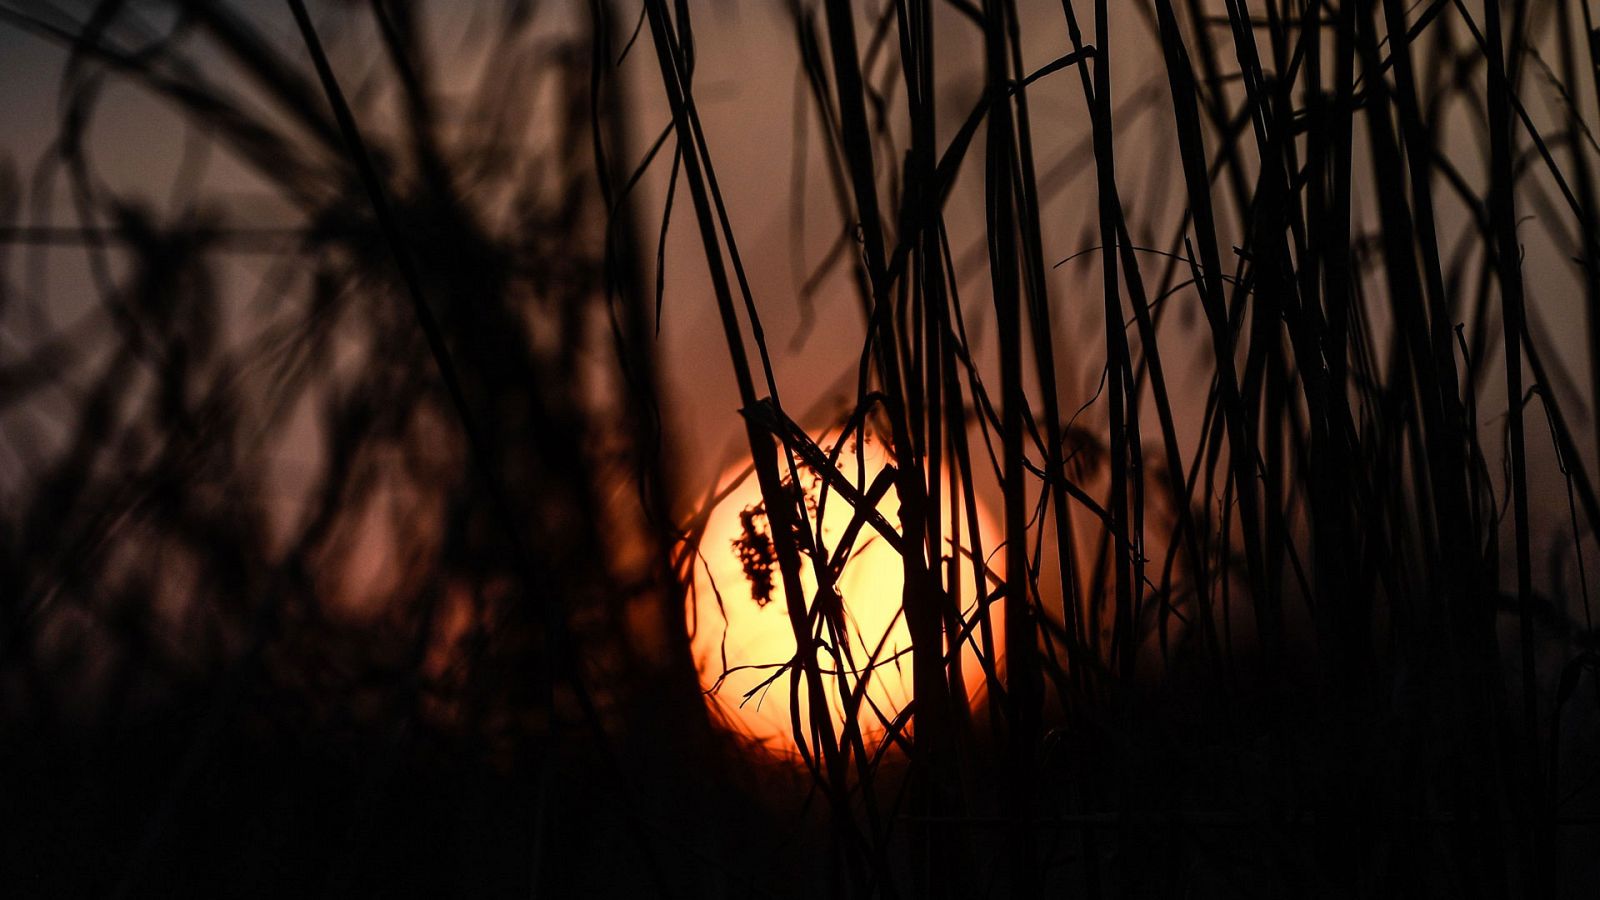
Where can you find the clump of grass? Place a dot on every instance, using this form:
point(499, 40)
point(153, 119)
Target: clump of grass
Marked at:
point(1272, 606)
point(1334, 545)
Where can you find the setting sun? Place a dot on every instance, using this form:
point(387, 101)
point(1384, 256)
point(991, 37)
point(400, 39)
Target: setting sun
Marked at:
point(742, 639)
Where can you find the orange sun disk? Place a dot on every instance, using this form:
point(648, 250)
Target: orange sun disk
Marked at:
point(741, 637)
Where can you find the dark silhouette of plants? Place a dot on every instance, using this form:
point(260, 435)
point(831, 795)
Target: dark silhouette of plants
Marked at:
point(342, 551)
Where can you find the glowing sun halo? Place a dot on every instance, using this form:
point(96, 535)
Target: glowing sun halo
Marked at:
point(741, 634)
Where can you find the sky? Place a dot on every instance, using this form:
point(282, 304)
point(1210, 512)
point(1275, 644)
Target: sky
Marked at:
point(770, 163)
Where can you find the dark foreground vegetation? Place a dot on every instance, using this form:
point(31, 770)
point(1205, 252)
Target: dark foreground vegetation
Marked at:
point(349, 558)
